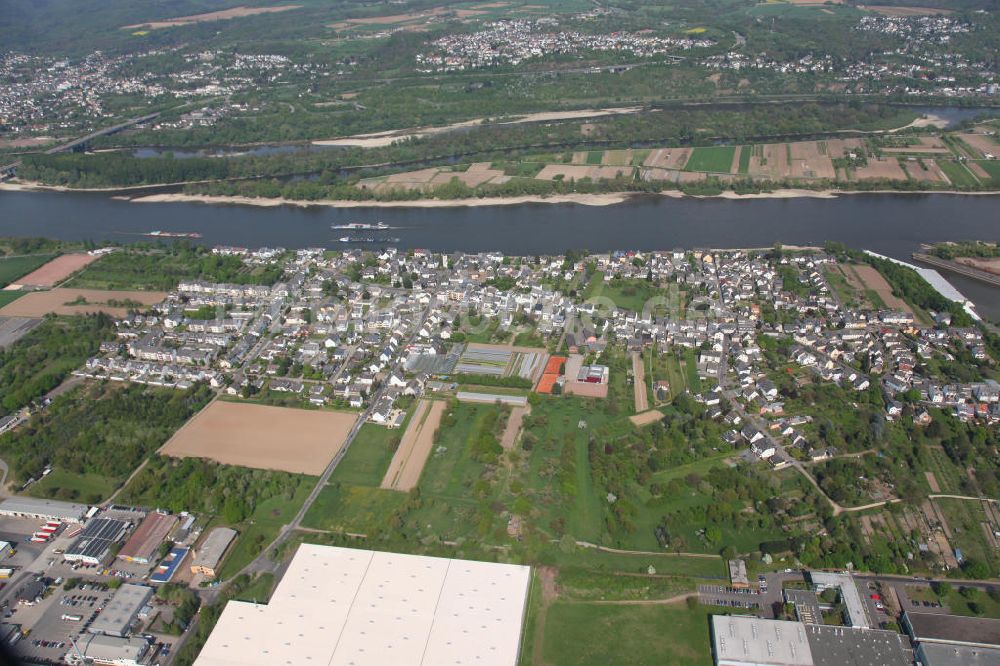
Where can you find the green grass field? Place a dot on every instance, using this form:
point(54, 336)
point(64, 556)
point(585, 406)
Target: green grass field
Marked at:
point(14, 267)
point(691, 368)
point(745, 153)
point(991, 167)
point(629, 295)
point(354, 509)
point(583, 634)
point(87, 485)
point(716, 159)
point(261, 529)
point(9, 297)
point(368, 457)
point(957, 173)
point(594, 157)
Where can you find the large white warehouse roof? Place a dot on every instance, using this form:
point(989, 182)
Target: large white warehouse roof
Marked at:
point(342, 606)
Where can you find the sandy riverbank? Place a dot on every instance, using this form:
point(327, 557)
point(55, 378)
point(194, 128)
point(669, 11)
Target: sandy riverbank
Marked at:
point(387, 138)
point(583, 199)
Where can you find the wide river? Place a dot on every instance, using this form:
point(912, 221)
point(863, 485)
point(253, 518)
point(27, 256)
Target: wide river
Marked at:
point(891, 224)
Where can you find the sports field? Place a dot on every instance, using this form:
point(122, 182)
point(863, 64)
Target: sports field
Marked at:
point(409, 459)
point(301, 441)
point(79, 301)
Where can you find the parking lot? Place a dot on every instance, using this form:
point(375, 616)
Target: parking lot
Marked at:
point(719, 595)
point(53, 620)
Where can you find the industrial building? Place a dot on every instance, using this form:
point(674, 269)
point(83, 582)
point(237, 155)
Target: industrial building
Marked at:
point(110, 650)
point(43, 509)
point(93, 546)
point(738, 578)
point(743, 640)
point(146, 540)
point(850, 595)
point(209, 554)
point(951, 640)
point(120, 614)
point(167, 567)
point(343, 606)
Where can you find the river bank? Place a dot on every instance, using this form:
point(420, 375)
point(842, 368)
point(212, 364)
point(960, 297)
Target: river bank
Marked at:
point(606, 199)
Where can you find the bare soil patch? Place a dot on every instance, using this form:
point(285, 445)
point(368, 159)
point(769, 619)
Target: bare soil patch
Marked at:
point(645, 418)
point(639, 375)
point(929, 172)
point(57, 270)
point(880, 169)
point(982, 143)
point(56, 301)
point(513, 427)
point(617, 158)
point(873, 280)
point(301, 441)
point(224, 15)
point(932, 482)
point(808, 161)
point(418, 440)
point(734, 167)
point(668, 158)
point(841, 147)
point(988, 265)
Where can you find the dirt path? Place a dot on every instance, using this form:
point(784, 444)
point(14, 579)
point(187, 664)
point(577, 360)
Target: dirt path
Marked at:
point(639, 375)
point(643, 602)
point(418, 440)
point(587, 544)
point(550, 592)
point(513, 428)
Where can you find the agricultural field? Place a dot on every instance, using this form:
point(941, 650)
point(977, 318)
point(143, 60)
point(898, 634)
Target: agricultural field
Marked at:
point(717, 159)
point(12, 268)
point(411, 456)
point(58, 269)
point(72, 301)
point(248, 435)
point(484, 361)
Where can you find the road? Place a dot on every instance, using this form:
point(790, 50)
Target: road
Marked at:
point(262, 563)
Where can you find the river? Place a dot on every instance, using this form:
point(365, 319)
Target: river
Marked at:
point(891, 224)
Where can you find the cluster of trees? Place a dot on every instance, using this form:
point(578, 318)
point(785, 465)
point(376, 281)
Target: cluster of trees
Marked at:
point(208, 488)
point(99, 429)
point(966, 249)
point(671, 126)
point(42, 359)
point(907, 284)
point(161, 267)
point(185, 603)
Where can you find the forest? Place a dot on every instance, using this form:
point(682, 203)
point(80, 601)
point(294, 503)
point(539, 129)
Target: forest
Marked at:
point(208, 488)
point(104, 430)
point(42, 359)
point(162, 266)
point(672, 126)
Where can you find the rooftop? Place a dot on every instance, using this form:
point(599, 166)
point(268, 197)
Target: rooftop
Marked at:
point(343, 606)
point(936, 654)
point(148, 536)
point(850, 646)
point(740, 639)
point(43, 507)
point(937, 628)
point(96, 539)
point(117, 616)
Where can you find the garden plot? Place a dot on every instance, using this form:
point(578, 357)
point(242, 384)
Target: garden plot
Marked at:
point(501, 361)
point(927, 170)
point(982, 143)
point(880, 169)
point(668, 158)
point(809, 162)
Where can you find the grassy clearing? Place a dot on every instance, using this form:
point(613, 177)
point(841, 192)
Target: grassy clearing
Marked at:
point(594, 157)
point(84, 485)
point(957, 173)
point(991, 167)
point(368, 457)
point(632, 295)
point(716, 159)
point(261, 529)
point(9, 297)
point(691, 368)
point(585, 634)
point(965, 520)
point(353, 509)
point(14, 267)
